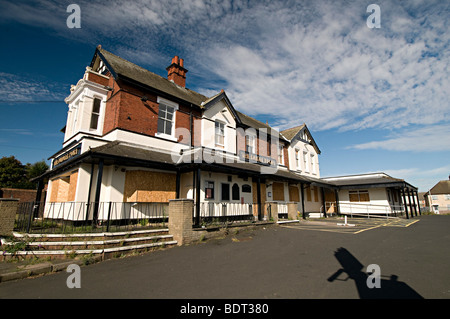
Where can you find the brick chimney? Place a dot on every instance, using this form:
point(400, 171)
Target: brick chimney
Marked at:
point(176, 72)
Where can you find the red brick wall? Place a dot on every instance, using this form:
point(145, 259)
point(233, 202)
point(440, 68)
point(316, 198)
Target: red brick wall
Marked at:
point(126, 110)
point(24, 195)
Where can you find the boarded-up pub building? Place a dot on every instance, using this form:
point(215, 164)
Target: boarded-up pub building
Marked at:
point(133, 137)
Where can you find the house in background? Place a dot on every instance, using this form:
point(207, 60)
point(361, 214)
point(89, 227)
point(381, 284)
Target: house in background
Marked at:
point(438, 197)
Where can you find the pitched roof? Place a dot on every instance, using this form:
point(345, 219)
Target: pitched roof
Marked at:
point(291, 133)
point(121, 68)
point(443, 187)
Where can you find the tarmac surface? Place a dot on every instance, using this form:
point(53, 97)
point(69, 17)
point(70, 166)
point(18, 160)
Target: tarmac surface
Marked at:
point(314, 259)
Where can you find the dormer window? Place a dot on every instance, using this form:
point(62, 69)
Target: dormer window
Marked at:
point(95, 115)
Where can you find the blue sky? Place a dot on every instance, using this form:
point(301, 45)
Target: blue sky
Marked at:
point(374, 99)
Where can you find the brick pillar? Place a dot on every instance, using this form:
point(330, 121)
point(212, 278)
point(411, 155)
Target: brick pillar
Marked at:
point(292, 210)
point(8, 210)
point(180, 219)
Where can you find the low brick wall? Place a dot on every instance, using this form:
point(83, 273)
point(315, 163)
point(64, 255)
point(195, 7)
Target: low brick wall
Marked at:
point(8, 210)
point(180, 224)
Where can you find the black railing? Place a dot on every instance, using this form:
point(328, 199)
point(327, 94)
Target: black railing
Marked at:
point(76, 217)
point(217, 214)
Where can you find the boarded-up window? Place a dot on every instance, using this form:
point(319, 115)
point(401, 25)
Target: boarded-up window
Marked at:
point(359, 196)
point(64, 188)
point(147, 186)
point(278, 191)
point(316, 194)
point(308, 193)
point(293, 194)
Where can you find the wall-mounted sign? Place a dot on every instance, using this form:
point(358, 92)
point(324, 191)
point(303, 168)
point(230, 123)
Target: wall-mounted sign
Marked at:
point(255, 158)
point(67, 155)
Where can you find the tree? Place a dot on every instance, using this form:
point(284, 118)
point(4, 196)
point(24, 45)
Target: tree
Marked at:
point(14, 174)
point(35, 170)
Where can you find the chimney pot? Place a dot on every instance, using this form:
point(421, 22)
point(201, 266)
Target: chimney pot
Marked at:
point(176, 71)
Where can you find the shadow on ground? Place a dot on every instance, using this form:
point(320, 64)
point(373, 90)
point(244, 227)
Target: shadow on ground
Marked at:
point(388, 289)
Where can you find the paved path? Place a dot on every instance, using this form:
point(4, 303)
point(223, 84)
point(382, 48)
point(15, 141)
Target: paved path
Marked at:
point(273, 262)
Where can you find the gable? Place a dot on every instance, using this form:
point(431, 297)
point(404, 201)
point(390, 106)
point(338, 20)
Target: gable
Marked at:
point(300, 133)
point(220, 111)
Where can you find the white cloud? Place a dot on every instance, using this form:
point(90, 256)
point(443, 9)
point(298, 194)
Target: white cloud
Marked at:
point(14, 88)
point(422, 178)
point(310, 61)
point(425, 139)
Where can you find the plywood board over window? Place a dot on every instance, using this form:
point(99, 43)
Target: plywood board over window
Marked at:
point(359, 196)
point(64, 188)
point(293, 194)
point(147, 186)
point(278, 191)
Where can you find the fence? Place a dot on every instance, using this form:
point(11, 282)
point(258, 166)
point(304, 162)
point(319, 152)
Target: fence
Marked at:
point(369, 210)
point(217, 213)
point(222, 212)
point(72, 217)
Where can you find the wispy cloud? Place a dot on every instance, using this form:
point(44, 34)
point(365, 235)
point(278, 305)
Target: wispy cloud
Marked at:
point(311, 61)
point(14, 88)
point(425, 139)
point(422, 178)
point(19, 131)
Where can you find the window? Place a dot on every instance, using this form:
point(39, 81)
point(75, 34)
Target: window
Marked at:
point(165, 119)
point(246, 188)
point(209, 190)
point(74, 118)
point(434, 197)
point(235, 192)
point(297, 159)
point(220, 134)
point(250, 143)
point(305, 161)
point(313, 167)
point(95, 115)
point(225, 191)
point(447, 196)
point(359, 196)
point(281, 154)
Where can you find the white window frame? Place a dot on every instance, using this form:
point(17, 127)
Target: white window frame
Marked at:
point(216, 135)
point(98, 114)
point(305, 161)
point(297, 159)
point(173, 105)
point(252, 143)
point(281, 154)
point(312, 163)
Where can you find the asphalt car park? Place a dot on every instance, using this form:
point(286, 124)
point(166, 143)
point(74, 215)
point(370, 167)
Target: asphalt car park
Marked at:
point(305, 260)
point(351, 225)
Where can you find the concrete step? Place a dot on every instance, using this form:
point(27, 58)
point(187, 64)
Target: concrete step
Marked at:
point(70, 245)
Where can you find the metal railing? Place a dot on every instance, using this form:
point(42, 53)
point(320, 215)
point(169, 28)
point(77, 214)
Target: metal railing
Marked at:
point(371, 210)
point(75, 217)
point(214, 213)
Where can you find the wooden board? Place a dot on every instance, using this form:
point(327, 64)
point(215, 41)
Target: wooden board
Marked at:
point(147, 186)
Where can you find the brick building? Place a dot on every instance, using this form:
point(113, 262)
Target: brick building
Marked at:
point(133, 136)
